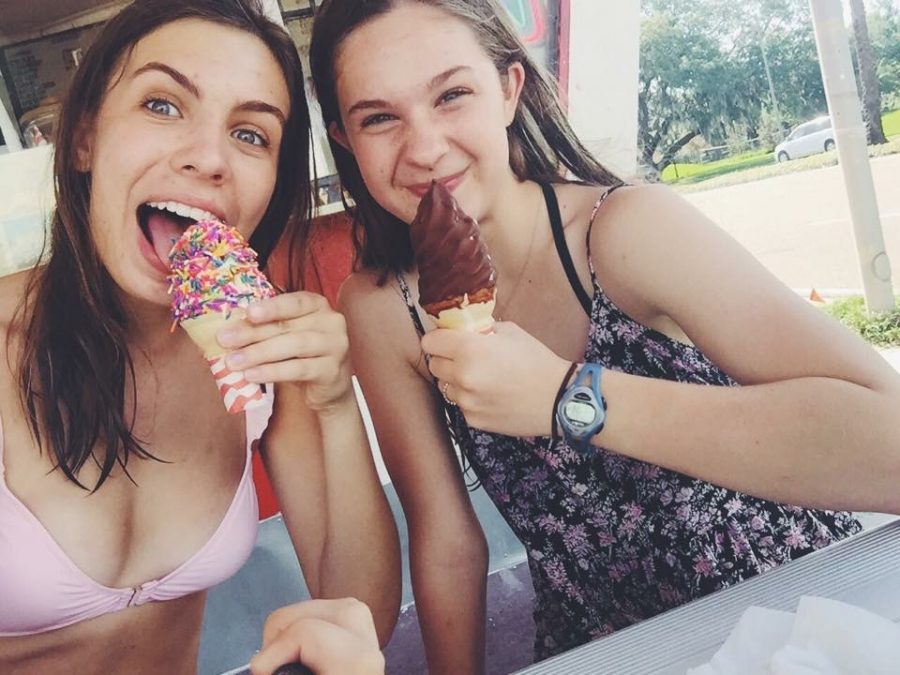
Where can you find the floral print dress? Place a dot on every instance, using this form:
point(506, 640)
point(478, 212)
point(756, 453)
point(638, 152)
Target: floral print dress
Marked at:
point(612, 540)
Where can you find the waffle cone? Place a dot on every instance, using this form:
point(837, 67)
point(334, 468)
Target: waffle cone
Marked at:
point(203, 329)
point(463, 314)
point(237, 394)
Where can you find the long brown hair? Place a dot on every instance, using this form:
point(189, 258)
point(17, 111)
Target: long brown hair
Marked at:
point(76, 367)
point(541, 140)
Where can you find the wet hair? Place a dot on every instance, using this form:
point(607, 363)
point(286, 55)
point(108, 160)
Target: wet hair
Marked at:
point(76, 375)
point(541, 141)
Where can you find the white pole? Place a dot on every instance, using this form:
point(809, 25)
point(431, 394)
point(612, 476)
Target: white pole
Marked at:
point(850, 137)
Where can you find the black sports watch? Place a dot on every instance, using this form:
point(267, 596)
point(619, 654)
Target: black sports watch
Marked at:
point(581, 412)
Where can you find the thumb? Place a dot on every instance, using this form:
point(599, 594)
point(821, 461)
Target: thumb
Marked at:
point(507, 328)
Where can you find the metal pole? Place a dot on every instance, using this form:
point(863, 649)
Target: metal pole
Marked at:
point(850, 137)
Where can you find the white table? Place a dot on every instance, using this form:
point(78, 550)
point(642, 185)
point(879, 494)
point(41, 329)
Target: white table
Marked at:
point(863, 570)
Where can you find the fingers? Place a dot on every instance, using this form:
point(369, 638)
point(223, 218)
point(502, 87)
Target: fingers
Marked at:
point(324, 369)
point(451, 344)
point(445, 342)
point(442, 369)
point(245, 333)
point(348, 613)
point(286, 346)
point(303, 641)
point(292, 337)
point(329, 636)
point(286, 306)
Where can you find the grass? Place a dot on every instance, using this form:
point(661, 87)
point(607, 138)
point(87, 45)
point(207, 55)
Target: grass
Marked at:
point(760, 163)
point(686, 174)
point(881, 330)
point(770, 170)
point(891, 123)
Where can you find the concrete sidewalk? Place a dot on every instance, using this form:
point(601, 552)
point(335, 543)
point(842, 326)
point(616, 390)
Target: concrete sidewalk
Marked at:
point(892, 355)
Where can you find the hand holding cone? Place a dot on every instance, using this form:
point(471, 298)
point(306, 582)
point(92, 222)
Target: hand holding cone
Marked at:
point(214, 277)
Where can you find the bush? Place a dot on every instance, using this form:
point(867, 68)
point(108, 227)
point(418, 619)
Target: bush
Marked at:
point(882, 330)
point(769, 130)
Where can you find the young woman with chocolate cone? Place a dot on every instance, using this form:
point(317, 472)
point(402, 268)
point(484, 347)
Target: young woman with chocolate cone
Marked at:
point(126, 488)
point(655, 416)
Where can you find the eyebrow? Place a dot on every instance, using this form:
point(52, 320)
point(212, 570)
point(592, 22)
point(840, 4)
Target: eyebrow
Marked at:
point(435, 81)
point(185, 82)
point(178, 76)
point(263, 107)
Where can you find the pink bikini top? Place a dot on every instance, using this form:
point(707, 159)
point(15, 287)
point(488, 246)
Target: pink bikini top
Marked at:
point(41, 589)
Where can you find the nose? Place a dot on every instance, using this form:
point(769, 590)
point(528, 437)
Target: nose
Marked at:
point(426, 142)
point(203, 152)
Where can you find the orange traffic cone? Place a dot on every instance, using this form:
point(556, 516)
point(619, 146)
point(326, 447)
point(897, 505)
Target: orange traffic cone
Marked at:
point(815, 298)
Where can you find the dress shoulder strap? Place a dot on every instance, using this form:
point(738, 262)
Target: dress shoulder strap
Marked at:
point(594, 212)
point(410, 305)
point(562, 249)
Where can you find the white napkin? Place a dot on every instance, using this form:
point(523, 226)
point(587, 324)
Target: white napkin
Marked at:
point(824, 637)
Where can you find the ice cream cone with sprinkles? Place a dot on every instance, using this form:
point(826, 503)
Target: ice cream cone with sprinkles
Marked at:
point(214, 277)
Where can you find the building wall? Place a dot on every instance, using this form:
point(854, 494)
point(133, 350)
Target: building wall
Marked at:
point(604, 39)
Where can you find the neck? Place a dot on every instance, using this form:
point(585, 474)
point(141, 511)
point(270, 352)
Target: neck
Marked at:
point(149, 327)
point(509, 227)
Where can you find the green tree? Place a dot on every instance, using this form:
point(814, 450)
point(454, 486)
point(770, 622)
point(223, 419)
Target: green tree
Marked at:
point(884, 31)
point(707, 69)
point(687, 88)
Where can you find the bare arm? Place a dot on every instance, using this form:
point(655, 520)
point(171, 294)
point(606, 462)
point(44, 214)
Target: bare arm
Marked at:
point(815, 422)
point(448, 553)
point(317, 454)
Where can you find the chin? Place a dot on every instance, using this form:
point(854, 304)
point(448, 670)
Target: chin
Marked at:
point(144, 292)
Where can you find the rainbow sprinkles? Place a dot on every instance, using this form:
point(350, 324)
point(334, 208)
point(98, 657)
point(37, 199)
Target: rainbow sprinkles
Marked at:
point(213, 271)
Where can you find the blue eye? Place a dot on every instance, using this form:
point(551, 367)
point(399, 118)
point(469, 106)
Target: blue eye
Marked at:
point(379, 118)
point(251, 137)
point(452, 95)
point(161, 106)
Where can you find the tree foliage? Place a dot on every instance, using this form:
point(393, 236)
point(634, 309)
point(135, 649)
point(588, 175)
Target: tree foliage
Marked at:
point(703, 71)
point(883, 17)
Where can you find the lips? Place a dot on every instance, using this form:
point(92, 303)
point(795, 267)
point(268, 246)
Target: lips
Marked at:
point(450, 182)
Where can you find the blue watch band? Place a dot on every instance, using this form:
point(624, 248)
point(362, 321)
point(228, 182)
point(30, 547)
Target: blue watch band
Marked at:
point(581, 411)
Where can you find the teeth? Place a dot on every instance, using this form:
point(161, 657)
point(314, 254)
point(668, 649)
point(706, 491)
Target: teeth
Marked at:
point(199, 214)
point(183, 210)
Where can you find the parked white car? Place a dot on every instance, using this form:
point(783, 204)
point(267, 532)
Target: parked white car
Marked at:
point(809, 138)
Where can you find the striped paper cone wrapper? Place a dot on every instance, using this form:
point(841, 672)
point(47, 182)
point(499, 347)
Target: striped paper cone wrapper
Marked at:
point(237, 394)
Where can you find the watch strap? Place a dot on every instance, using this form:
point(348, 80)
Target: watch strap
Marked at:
point(588, 376)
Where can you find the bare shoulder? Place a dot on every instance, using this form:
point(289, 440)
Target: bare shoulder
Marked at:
point(362, 292)
point(13, 289)
point(620, 213)
point(635, 212)
point(378, 318)
point(366, 297)
point(640, 232)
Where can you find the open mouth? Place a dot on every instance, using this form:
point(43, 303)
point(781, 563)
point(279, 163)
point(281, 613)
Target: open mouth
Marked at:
point(163, 223)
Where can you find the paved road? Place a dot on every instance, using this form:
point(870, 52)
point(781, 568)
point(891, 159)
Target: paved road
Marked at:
point(799, 226)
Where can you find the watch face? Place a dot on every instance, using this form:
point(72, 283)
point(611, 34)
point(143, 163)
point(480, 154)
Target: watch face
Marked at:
point(580, 413)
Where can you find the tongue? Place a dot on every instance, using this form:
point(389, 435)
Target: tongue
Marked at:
point(164, 232)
